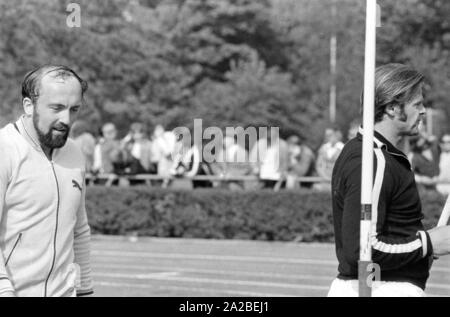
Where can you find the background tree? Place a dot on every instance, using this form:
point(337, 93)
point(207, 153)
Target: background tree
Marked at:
point(230, 62)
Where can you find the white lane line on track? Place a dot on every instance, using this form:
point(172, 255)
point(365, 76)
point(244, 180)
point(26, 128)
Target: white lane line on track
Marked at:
point(204, 290)
point(211, 281)
point(194, 289)
point(174, 276)
point(102, 239)
point(437, 269)
point(192, 263)
point(212, 257)
point(150, 276)
point(103, 267)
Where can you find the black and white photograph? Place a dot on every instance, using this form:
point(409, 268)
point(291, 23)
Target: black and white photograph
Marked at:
point(225, 153)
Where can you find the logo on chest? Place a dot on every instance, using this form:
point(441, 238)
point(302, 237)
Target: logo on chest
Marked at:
point(75, 184)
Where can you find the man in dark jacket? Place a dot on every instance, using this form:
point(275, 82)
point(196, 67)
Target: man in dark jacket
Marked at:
point(400, 246)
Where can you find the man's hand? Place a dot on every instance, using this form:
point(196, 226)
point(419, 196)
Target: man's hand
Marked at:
point(440, 239)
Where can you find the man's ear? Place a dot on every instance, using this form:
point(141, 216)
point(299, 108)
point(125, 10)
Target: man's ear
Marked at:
point(390, 111)
point(396, 111)
point(28, 107)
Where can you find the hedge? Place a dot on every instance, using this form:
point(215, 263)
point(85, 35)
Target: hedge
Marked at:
point(218, 214)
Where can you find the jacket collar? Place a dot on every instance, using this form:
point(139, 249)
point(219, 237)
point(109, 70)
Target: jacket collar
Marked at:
point(381, 142)
point(19, 125)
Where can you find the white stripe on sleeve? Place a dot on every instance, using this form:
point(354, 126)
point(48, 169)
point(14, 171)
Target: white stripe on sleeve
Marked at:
point(396, 248)
point(376, 191)
point(376, 244)
point(423, 237)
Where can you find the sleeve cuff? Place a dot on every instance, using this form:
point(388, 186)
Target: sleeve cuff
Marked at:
point(82, 293)
point(5, 285)
point(427, 247)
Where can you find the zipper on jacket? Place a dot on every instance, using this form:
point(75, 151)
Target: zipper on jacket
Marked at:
point(14, 247)
point(39, 149)
point(56, 232)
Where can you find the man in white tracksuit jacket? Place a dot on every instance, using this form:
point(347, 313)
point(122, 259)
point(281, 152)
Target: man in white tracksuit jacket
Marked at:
point(44, 234)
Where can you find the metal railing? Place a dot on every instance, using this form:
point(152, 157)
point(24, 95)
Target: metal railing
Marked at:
point(109, 179)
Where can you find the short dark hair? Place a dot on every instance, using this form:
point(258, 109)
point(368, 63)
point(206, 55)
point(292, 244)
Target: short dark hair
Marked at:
point(395, 84)
point(138, 126)
point(32, 80)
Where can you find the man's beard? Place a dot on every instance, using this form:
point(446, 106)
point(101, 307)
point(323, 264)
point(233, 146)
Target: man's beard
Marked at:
point(48, 139)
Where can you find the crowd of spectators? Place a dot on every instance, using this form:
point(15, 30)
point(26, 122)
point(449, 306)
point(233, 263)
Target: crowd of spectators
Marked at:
point(277, 163)
point(430, 159)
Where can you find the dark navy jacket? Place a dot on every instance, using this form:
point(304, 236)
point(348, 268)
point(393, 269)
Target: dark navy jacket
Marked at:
point(400, 246)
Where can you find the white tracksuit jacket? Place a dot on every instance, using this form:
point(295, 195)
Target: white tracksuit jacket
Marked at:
point(44, 234)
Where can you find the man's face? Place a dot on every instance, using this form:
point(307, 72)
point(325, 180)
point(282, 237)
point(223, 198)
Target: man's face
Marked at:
point(329, 135)
point(109, 132)
point(56, 109)
point(410, 119)
point(293, 141)
point(445, 143)
point(138, 135)
point(159, 131)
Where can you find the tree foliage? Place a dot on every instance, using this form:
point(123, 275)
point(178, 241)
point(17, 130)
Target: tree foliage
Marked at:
point(229, 62)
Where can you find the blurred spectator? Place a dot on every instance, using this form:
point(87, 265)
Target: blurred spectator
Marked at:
point(126, 164)
point(444, 165)
point(163, 146)
point(424, 160)
point(139, 150)
point(107, 151)
point(353, 129)
point(301, 162)
point(82, 136)
point(270, 158)
point(327, 155)
point(235, 160)
point(205, 169)
point(186, 159)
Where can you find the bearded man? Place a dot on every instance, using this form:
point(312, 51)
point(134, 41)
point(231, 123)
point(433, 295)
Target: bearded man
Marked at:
point(44, 233)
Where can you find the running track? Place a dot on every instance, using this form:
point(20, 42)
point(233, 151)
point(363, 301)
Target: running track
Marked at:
point(221, 268)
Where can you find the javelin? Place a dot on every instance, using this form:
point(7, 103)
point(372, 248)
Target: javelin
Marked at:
point(445, 215)
point(365, 251)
